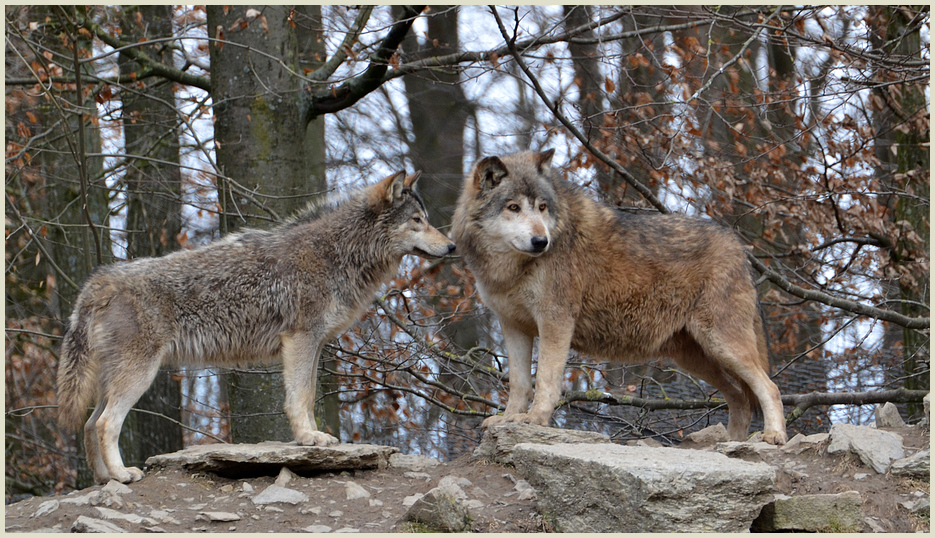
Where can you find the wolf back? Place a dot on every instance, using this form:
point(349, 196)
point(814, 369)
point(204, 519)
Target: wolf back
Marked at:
point(552, 262)
point(253, 297)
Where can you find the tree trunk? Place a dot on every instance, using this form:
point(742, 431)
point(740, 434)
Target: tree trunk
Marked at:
point(154, 212)
point(260, 140)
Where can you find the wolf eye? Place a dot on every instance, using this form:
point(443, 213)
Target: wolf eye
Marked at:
point(417, 220)
point(543, 207)
point(513, 207)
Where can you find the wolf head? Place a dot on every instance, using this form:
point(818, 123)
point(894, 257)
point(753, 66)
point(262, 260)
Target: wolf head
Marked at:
point(512, 202)
point(403, 214)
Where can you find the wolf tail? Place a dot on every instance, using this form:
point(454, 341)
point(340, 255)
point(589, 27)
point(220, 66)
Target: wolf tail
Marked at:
point(77, 369)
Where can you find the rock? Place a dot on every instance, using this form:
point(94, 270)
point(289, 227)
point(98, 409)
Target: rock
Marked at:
point(355, 491)
point(411, 499)
point(247, 488)
point(915, 466)
point(916, 506)
point(499, 439)
point(840, 512)
point(277, 494)
point(375, 502)
point(317, 528)
point(874, 526)
point(116, 488)
point(800, 443)
point(887, 416)
point(417, 475)
point(90, 524)
point(526, 491)
point(347, 529)
point(239, 460)
point(220, 516)
point(163, 516)
point(46, 508)
point(285, 476)
point(876, 448)
point(612, 488)
point(336, 513)
point(440, 511)
point(741, 449)
point(453, 485)
point(707, 436)
point(107, 513)
point(412, 462)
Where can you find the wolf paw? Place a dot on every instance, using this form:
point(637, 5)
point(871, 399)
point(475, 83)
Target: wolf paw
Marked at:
point(491, 421)
point(317, 439)
point(127, 475)
point(775, 438)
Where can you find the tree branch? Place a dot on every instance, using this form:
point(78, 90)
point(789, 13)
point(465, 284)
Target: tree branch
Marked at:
point(355, 89)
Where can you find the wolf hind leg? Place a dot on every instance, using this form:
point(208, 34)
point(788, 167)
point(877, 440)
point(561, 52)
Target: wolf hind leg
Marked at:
point(739, 404)
point(300, 355)
point(122, 390)
point(738, 354)
point(92, 445)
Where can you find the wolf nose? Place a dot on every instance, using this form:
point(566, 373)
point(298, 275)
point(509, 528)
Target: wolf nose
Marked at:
point(451, 248)
point(540, 243)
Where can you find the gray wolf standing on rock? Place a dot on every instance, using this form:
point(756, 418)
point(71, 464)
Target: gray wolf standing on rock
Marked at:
point(554, 263)
point(252, 297)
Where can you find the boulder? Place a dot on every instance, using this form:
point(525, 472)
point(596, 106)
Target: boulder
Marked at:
point(499, 439)
point(800, 443)
point(265, 459)
point(915, 466)
point(887, 416)
point(876, 448)
point(840, 512)
point(613, 488)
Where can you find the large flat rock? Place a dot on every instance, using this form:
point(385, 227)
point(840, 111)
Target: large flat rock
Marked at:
point(499, 439)
point(243, 460)
point(613, 488)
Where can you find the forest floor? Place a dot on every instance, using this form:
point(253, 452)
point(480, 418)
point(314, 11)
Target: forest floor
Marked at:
point(173, 500)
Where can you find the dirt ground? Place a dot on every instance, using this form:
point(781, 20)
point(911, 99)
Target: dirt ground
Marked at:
point(175, 501)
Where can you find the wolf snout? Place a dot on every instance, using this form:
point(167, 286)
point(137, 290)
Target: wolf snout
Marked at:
point(540, 243)
point(451, 248)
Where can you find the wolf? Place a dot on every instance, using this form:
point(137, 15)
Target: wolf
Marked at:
point(252, 297)
point(552, 262)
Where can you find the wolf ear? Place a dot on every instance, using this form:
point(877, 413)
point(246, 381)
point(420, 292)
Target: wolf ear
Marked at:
point(544, 160)
point(391, 187)
point(411, 180)
point(489, 172)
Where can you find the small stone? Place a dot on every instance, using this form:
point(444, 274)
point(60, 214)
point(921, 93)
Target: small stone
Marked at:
point(271, 508)
point(117, 488)
point(277, 494)
point(46, 508)
point(411, 499)
point(285, 476)
point(412, 462)
point(220, 516)
point(227, 488)
point(376, 502)
point(247, 488)
point(355, 491)
point(336, 513)
point(861, 476)
point(90, 524)
point(317, 528)
point(707, 436)
point(347, 529)
point(417, 476)
point(107, 513)
point(887, 416)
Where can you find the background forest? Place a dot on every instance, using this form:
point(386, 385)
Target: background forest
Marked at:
point(134, 132)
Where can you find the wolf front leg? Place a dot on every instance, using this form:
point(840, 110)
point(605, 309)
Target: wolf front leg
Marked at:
point(519, 353)
point(300, 354)
point(554, 343)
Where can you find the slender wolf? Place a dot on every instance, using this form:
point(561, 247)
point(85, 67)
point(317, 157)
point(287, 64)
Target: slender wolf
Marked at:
point(252, 297)
point(554, 263)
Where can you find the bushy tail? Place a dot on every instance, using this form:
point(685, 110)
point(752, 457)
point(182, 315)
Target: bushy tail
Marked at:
point(77, 370)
